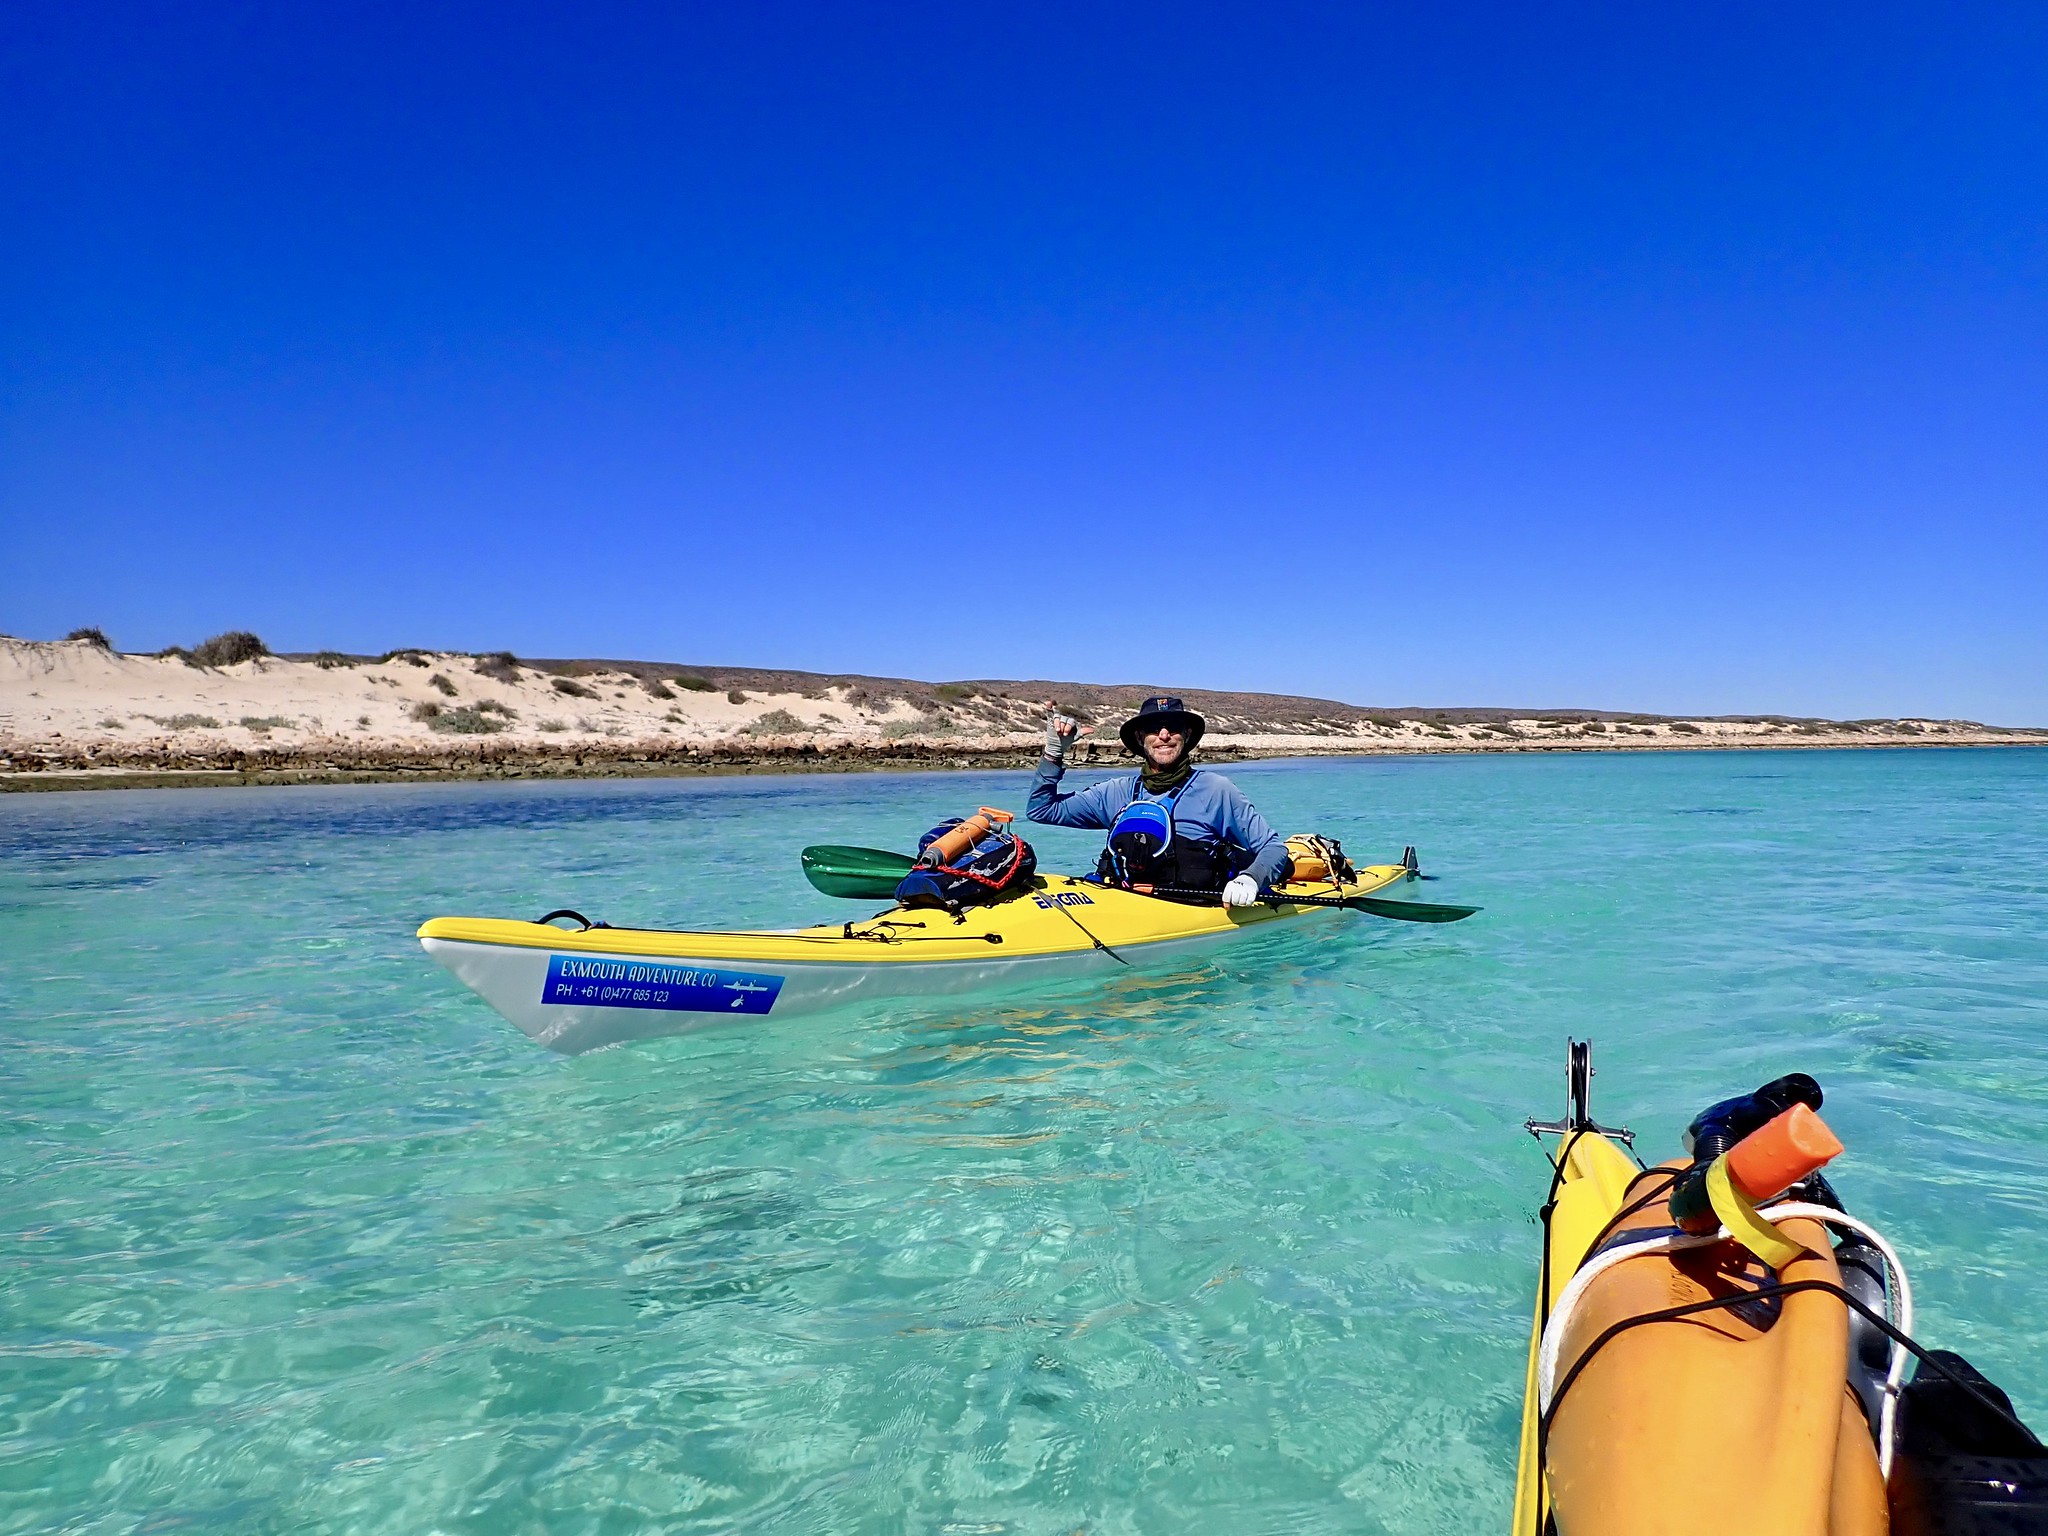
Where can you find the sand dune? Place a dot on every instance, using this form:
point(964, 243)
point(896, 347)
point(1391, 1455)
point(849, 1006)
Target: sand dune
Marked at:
point(75, 708)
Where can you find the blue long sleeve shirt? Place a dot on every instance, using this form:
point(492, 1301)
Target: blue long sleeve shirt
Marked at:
point(1210, 809)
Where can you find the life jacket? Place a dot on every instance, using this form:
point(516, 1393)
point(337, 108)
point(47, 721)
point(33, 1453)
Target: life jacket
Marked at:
point(993, 865)
point(1146, 848)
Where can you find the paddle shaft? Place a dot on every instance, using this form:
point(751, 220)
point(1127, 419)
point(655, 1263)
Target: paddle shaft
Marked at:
point(1403, 911)
point(869, 874)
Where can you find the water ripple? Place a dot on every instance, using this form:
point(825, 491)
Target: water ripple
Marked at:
point(301, 1236)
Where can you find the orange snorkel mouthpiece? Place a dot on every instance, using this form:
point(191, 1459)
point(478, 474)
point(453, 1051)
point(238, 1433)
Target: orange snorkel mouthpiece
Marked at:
point(1795, 1146)
point(1778, 1154)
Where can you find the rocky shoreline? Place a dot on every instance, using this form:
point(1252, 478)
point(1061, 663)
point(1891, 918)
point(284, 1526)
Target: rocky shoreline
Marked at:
point(351, 763)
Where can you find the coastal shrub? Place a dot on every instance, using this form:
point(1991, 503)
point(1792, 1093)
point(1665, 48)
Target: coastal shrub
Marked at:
point(858, 697)
point(185, 722)
point(572, 688)
point(777, 722)
point(694, 684)
point(1595, 728)
point(92, 636)
point(954, 692)
point(466, 722)
point(920, 725)
point(1686, 728)
point(263, 722)
point(110, 724)
point(493, 707)
point(550, 726)
point(735, 697)
point(327, 661)
point(362, 722)
point(176, 653)
point(499, 666)
point(228, 648)
point(657, 688)
point(442, 683)
point(412, 656)
point(428, 711)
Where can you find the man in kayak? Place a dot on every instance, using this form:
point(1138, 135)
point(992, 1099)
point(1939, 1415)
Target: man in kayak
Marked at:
point(1170, 824)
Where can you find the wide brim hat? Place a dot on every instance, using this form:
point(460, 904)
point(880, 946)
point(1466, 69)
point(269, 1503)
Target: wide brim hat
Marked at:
point(1166, 711)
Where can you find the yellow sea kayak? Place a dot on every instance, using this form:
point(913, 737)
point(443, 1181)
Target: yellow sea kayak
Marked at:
point(578, 990)
point(1719, 1347)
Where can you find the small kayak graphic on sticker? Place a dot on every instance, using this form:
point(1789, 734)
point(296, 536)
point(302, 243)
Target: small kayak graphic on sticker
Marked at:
point(596, 981)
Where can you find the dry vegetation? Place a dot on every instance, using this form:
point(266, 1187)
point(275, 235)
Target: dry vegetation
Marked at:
point(80, 707)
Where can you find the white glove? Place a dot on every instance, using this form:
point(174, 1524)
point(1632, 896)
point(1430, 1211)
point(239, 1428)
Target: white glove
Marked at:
point(1242, 891)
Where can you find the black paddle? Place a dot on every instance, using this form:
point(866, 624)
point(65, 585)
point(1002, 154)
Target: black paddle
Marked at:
point(1404, 911)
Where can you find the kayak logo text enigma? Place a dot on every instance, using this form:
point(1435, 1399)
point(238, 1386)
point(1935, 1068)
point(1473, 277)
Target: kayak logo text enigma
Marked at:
point(650, 984)
point(1063, 899)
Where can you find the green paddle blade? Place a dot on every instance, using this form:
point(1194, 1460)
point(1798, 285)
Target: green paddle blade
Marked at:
point(865, 874)
point(1410, 911)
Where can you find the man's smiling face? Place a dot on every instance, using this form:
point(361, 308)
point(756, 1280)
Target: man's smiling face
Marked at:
point(1163, 746)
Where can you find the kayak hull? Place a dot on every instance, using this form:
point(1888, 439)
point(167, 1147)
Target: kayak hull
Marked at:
point(580, 991)
point(515, 983)
point(1768, 1400)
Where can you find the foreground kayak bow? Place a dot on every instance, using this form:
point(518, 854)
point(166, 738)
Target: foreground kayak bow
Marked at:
point(1718, 1346)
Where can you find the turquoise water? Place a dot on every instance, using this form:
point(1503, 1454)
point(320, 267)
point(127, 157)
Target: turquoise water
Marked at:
point(299, 1236)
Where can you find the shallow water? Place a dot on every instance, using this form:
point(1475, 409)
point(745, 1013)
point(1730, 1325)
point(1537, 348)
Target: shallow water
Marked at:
point(298, 1235)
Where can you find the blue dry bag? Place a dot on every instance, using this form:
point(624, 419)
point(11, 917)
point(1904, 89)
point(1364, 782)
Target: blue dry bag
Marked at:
point(995, 866)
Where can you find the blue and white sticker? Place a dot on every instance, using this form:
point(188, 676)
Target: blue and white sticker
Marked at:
point(595, 981)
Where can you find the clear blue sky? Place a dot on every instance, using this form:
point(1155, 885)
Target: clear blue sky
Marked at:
point(1651, 357)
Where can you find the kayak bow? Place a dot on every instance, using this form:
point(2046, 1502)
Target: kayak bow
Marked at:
point(1719, 1346)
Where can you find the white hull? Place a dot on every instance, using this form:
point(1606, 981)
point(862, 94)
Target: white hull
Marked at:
point(516, 982)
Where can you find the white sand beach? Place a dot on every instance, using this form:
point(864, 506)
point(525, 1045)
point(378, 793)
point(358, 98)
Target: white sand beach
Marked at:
point(76, 708)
